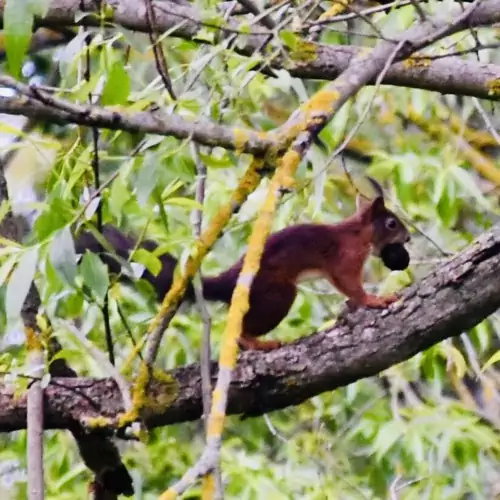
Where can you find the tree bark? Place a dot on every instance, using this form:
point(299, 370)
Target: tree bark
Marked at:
point(447, 76)
point(450, 300)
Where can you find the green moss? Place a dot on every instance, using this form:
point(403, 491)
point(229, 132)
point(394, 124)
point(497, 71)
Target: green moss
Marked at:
point(305, 52)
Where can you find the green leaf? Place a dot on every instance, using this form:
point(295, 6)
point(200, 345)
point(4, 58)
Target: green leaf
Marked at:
point(147, 259)
point(4, 209)
point(147, 177)
point(387, 437)
point(63, 256)
point(119, 196)
point(71, 305)
point(469, 184)
point(117, 87)
point(218, 158)
point(95, 275)
point(20, 282)
point(18, 25)
point(184, 202)
point(7, 267)
point(55, 217)
point(289, 38)
point(494, 359)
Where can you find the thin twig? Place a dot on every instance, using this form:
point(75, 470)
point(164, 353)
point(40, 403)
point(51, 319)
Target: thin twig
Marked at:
point(489, 126)
point(197, 219)
point(97, 188)
point(368, 106)
point(35, 419)
point(160, 60)
point(421, 14)
point(104, 364)
point(205, 352)
point(265, 18)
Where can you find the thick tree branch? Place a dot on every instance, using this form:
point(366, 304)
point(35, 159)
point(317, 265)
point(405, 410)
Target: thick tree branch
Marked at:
point(450, 300)
point(451, 75)
point(199, 129)
point(312, 60)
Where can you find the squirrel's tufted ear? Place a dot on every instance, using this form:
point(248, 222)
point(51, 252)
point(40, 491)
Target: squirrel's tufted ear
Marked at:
point(377, 206)
point(370, 209)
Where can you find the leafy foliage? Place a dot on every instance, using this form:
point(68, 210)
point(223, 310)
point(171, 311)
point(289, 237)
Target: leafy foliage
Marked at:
point(409, 432)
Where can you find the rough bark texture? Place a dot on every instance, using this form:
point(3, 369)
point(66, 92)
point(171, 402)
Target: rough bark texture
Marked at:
point(448, 76)
point(447, 302)
point(451, 75)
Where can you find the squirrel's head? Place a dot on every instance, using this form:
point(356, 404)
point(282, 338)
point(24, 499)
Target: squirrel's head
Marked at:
point(387, 227)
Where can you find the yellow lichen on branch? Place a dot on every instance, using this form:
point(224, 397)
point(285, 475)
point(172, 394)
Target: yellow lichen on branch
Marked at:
point(321, 102)
point(477, 138)
point(246, 186)
point(283, 179)
point(337, 8)
point(33, 342)
point(315, 111)
point(208, 488)
point(481, 162)
point(169, 305)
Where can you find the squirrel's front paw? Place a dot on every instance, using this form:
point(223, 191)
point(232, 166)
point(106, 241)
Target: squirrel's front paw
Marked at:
point(379, 302)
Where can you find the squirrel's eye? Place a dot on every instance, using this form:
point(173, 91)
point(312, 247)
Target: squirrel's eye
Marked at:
point(390, 223)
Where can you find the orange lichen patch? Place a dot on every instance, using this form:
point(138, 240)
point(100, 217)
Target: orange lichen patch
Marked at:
point(481, 162)
point(417, 62)
point(240, 301)
point(229, 349)
point(169, 495)
point(246, 186)
point(144, 405)
point(321, 102)
point(336, 9)
point(215, 424)
point(493, 87)
point(208, 487)
point(33, 342)
point(289, 164)
point(241, 137)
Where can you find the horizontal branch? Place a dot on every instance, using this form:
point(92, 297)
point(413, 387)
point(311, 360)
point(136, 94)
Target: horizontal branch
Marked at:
point(200, 130)
point(451, 299)
point(447, 75)
point(451, 75)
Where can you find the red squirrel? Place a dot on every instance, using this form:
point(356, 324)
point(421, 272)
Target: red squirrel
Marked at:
point(336, 252)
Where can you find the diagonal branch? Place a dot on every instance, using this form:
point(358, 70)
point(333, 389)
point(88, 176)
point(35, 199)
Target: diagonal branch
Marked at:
point(451, 299)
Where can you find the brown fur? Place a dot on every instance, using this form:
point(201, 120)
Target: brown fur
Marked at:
point(336, 252)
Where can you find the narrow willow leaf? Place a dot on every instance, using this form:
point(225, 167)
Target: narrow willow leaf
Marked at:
point(95, 275)
point(6, 267)
point(494, 359)
point(147, 259)
point(18, 24)
point(147, 177)
point(63, 256)
point(117, 87)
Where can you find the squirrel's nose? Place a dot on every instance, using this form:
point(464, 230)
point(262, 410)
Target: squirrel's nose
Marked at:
point(408, 238)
